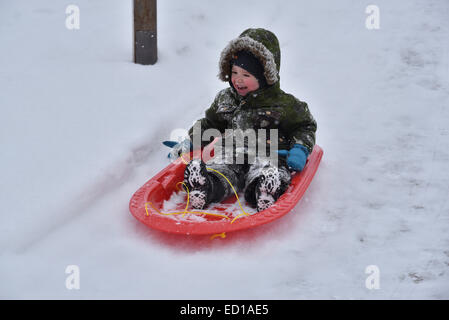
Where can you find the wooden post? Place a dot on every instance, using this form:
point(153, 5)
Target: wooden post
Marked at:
point(145, 31)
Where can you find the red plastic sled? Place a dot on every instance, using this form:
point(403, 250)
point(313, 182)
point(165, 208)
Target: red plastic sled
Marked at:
point(161, 187)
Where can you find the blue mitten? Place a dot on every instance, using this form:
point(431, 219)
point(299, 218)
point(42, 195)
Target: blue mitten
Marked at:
point(178, 148)
point(296, 157)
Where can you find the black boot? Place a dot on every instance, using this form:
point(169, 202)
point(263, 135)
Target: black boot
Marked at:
point(199, 183)
point(268, 188)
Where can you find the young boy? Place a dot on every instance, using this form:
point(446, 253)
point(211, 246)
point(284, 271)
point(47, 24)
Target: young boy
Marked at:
point(254, 100)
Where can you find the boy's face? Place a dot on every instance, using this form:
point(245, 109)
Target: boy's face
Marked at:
point(243, 81)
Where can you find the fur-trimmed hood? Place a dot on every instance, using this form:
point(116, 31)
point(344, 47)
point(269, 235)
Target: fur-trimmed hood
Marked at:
point(261, 43)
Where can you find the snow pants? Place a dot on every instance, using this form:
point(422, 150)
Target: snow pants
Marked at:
point(244, 177)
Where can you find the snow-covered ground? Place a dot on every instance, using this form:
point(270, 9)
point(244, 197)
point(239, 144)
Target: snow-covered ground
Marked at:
point(81, 128)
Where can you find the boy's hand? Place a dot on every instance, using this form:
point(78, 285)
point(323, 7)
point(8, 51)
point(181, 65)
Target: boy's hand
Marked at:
point(296, 157)
point(178, 148)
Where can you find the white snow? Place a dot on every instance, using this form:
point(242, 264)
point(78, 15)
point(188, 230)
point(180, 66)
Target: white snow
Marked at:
point(81, 127)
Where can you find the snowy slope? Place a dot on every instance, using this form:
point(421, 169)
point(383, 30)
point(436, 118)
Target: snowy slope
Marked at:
point(81, 126)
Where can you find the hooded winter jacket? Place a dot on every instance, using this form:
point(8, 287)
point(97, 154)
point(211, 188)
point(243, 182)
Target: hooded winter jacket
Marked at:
point(266, 108)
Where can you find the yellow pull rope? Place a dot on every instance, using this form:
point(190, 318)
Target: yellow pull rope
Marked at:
point(244, 213)
point(181, 212)
point(223, 234)
point(183, 160)
point(210, 169)
point(188, 195)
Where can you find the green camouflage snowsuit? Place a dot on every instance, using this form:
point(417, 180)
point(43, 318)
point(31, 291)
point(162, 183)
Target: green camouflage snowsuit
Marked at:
point(266, 108)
